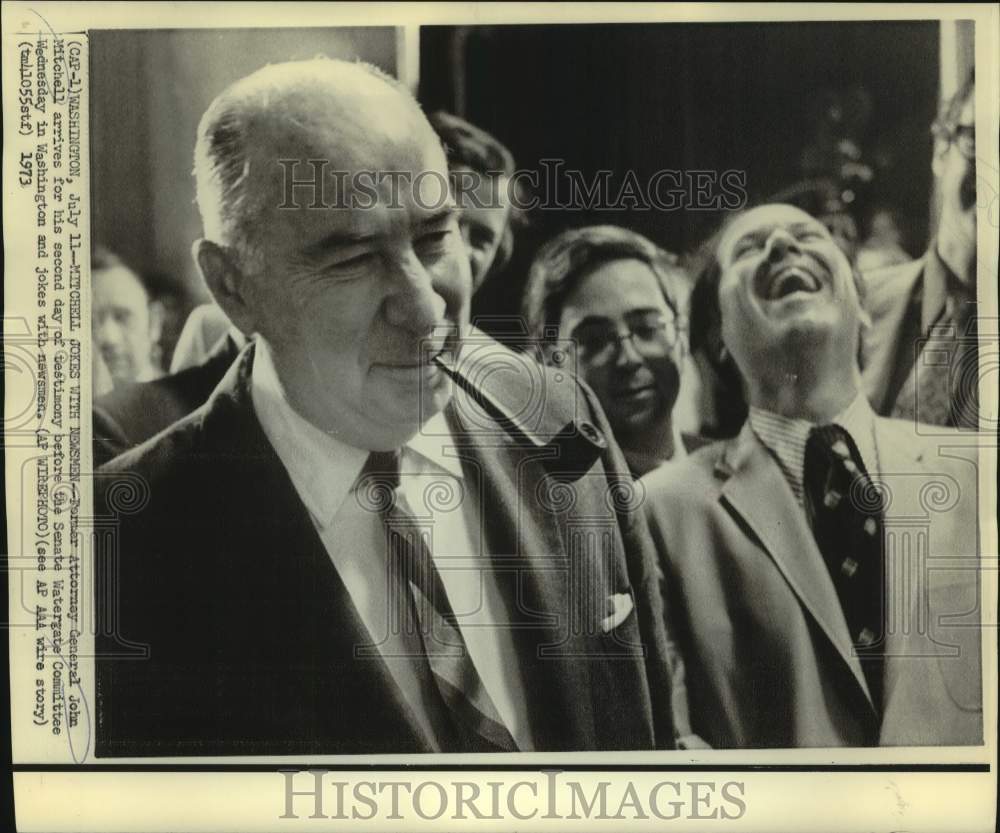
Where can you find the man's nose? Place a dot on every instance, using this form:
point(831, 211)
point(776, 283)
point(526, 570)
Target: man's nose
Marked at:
point(474, 254)
point(627, 356)
point(414, 303)
point(780, 244)
point(107, 331)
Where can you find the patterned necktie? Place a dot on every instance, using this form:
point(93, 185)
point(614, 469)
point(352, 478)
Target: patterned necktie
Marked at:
point(425, 607)
point(942, 387)
point(846, 512)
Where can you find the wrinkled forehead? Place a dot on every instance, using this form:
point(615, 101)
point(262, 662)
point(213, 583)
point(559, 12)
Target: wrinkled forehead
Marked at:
point(762, 221)
point(342, 139)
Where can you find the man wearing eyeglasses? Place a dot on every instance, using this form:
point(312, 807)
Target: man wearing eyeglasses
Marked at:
point(919, 358)
point(602, 300)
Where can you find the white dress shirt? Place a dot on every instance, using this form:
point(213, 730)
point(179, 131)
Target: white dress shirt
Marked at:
point(786, 439)
point(324, 472)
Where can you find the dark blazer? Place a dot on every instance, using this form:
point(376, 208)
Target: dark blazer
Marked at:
point(131, 414)
point(230, 632)
point(889, 301)
point(768, 660)
point(691, 442)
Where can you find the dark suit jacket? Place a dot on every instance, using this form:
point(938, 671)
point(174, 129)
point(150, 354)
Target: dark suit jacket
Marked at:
point(131, 414)
point(886, 358)
point(691, 442)
point(230, 631)
point(768, 660)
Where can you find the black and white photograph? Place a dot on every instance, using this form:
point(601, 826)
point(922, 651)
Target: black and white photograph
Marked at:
point(496, 391)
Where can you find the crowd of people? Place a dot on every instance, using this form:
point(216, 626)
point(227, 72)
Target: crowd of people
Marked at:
point(662, 523)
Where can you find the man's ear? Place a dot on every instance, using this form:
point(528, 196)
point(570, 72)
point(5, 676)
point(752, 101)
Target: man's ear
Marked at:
point(226, 281)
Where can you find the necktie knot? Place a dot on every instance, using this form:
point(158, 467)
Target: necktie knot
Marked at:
point(378, 481)
point(834, 469)
point(831, 437)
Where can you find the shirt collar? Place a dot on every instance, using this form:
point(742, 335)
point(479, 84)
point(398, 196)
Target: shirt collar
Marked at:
point(322, 468)
point(858, 420)
point(786, 437)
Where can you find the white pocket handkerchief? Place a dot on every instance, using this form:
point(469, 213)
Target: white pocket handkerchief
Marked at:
point(620, 605)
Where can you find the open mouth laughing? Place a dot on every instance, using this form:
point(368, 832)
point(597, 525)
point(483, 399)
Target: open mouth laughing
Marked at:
point(786, 280)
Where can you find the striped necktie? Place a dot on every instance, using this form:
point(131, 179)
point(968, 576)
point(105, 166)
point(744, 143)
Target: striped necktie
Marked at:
point(424, 604)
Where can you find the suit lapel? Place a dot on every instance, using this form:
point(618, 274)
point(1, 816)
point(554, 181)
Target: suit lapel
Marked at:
point(757, 492)
point(525, 539)
point(896, 450)
point(309, 599)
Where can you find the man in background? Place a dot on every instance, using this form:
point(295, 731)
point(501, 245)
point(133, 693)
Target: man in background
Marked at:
point(129, 414)
point(481, 169)
point(609, 297)
point(920, 356)
point(884, 245)
point(800, 621)
point(126, 322)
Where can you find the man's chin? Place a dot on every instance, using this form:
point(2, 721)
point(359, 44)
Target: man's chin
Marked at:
point(804, 320)
point(407, 404)
point(433, 400)
point(637, 421)
point(119, 368)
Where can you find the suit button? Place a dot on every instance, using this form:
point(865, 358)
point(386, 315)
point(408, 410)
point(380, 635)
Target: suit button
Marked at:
point(592, 433)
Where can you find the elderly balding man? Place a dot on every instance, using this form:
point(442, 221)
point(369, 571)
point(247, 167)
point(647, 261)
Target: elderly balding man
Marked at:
point(367, 540)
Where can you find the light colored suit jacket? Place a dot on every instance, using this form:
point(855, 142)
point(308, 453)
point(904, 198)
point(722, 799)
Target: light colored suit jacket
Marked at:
point(768, 658)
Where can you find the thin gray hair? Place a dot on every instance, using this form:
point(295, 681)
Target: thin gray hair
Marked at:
point(229, 208)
